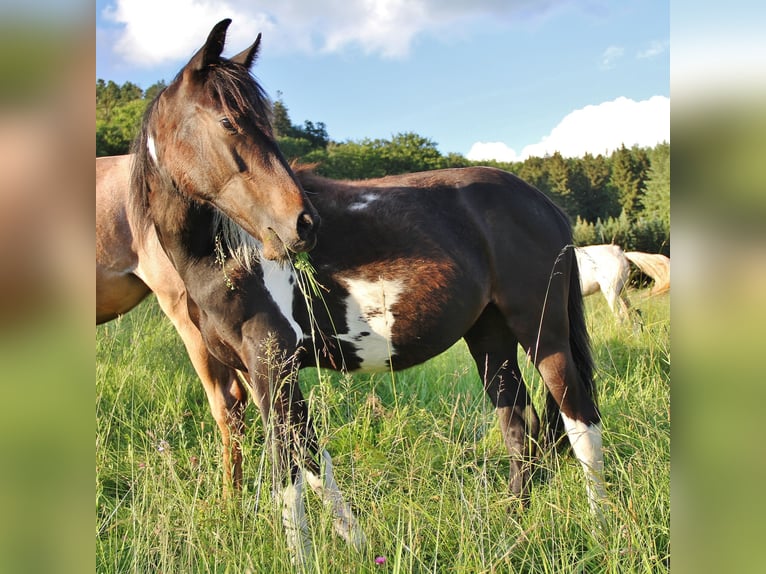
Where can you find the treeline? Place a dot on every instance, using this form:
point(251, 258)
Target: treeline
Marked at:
point(622, 198)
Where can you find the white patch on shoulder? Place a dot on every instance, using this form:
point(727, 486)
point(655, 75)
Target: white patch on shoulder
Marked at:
point(152, 149)
point(363, 201)
point(586, 444)
point(370, 320)
point(279, 281)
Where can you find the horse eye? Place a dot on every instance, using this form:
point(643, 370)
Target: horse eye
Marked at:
point(227, 125)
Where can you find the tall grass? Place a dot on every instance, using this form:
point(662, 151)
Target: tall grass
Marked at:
point(424, 467)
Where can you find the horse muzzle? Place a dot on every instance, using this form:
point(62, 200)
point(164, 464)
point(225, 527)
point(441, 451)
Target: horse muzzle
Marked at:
point(277, 248)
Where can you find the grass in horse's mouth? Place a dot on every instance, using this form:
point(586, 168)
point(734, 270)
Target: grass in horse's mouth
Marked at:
point(307, 274)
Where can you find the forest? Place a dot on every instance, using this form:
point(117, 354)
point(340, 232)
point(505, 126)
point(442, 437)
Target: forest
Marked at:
point(621, 198)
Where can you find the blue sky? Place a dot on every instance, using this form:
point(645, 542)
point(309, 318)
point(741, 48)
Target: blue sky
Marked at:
point(483, 78)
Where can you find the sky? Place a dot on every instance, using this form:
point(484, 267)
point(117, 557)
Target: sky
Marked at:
point(487, 79)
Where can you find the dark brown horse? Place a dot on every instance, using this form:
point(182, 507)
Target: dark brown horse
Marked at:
point(408, 264)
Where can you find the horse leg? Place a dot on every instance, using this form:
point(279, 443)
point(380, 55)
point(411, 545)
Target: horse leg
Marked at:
point(494, 349)
point(225, 393)
point(296, 454)
point(582, 421)
point(273, 375)
point(327, 489)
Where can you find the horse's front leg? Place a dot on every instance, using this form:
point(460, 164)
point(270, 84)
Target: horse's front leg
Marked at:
point(325, 486)
point(274, 377)
point(296, 455)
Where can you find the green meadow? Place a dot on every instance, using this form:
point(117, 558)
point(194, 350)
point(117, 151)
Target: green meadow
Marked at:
point(418, 455)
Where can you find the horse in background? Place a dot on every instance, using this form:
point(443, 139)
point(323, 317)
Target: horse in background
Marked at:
point(656, 266)
point(605, 268)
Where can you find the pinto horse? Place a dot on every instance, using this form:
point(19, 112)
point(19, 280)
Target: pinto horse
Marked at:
point(408, 265)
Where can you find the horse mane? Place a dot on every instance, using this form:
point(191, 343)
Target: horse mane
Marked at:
point(245, 104)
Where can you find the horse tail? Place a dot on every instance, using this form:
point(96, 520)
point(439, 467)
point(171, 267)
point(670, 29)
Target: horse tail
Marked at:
point(579, 344)
point(656, 266)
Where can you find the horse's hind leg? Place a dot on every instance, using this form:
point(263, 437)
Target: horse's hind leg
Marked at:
point(494, 350)
point(579, 414)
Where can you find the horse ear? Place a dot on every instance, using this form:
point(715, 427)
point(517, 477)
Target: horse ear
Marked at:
point(248, 56)
point(211, 51)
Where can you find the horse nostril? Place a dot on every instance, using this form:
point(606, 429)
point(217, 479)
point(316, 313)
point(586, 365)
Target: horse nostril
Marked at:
point(307, 225)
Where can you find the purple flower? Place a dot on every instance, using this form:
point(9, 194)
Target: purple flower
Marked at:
point(380, 560)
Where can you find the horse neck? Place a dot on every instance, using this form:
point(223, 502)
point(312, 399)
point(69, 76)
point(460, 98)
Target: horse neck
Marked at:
point(184, 227)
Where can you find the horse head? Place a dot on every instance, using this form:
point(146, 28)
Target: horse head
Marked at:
point(209, 131)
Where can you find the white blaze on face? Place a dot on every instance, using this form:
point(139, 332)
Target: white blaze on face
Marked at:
point(370, 320)
point(151, 148)
point(279, 281)
point(586, 444)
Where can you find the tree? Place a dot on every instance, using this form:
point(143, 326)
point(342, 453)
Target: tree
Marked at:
point(115, 136)
point(559, 185)
point(629, 172)
point(153, 90)
point(296, 142)
point(533, 171)
point(595, 197)
point(656, 199)
point(107, 98)
point(408, 152)
point(280, 121)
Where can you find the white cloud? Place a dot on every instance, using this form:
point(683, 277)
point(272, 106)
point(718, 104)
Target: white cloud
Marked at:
point(492, 150)
point(610, 56)
point(596, 129)
point(159, 31)
point(655, 48)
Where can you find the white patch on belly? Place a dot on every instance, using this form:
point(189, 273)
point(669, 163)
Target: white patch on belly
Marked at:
point(370, 320)
point(363, 202)
point(279, 281)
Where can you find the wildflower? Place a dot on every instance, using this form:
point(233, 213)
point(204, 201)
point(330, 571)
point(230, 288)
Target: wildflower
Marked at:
point(380, 560)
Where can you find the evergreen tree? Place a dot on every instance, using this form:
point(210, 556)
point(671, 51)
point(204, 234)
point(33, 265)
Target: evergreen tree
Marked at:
point(559, 187)
point(596, 198)
point(629, 171)
point(533, 171)
point(280, 121)
point(656, 200)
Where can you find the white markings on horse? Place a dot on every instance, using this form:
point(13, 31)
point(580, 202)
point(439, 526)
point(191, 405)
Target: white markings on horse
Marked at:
point(363, 202)
point(294, 520)
point(280, 281)
point(327, 489)
point(152, 149)
point(586, 444)
point(370, 320)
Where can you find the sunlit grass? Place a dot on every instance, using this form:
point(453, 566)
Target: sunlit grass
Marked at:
point(424, 466)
